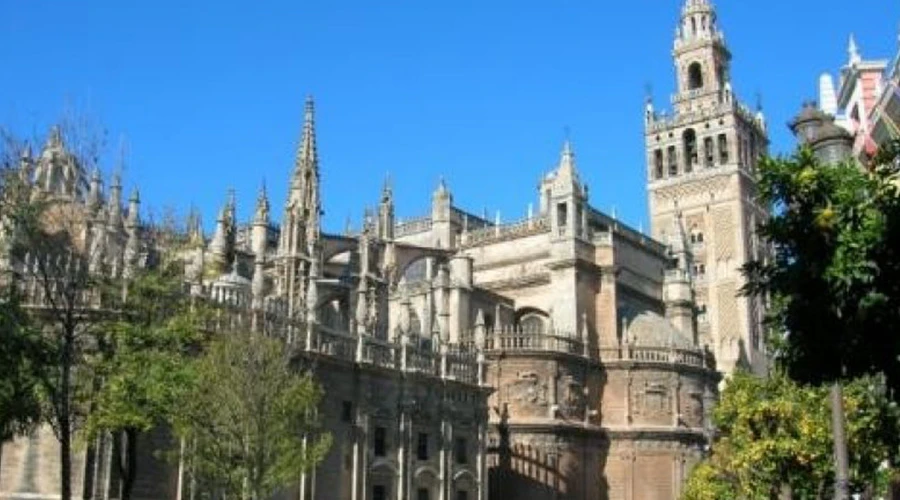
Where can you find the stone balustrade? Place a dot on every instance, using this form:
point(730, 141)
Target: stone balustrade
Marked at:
point(416, 225)
point(668, 355)
point(490, 234)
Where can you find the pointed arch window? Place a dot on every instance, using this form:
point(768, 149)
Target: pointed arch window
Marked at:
point(709, 156)
point(723, 149)
point(690, 149)
point(658, 164)
point(673, 161)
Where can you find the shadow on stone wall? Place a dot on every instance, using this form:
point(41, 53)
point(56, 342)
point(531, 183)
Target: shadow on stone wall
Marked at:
point(527, 472)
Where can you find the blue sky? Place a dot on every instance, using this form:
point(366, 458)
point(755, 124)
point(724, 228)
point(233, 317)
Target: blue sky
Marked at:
point(210, 95)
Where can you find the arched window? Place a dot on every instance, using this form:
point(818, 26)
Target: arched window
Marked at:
point(690, 149)
point(723, 149)
point(709, 156)
point(673, 161)
point(532, 324)
point(695, 76)
point(658, 164)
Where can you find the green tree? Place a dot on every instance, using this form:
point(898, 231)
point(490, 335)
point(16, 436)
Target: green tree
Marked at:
point(23, 359)
point(774, 433)
point(43, 243)
point(249, 419)
point(833, 281)
point(142, 364)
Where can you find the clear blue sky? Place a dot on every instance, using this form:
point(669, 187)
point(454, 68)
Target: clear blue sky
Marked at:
point(210, 95)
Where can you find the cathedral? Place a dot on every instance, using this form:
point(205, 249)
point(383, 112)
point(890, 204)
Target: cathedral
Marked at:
point(565, 355)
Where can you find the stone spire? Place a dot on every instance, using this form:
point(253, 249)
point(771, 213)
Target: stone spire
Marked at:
point(114, 213)
point(95, 196)
point(853, 51)
point(134, 202)
point(259, 232)
point(567, 158)
point(222, 245)
point(262, 206)
point(194, 226)
point(132, 245)
point(304, 195)
point(386, 211)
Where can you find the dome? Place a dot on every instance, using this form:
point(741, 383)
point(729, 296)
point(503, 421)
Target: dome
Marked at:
point(649, 329)
point(831, 131)
point(810, 113)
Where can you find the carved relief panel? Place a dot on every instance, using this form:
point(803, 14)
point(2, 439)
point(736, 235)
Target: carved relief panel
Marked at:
point(527, 394)
point(651, 400)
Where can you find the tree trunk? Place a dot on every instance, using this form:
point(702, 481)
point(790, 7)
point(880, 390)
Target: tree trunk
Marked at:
point(65, 418)
point(841, 467)
point(129, 471)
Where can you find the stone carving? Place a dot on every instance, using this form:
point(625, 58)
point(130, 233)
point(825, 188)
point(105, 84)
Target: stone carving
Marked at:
point(572, 398)
point(728, 311)
point(724, 234)
point(653, 399)
point(528, 389)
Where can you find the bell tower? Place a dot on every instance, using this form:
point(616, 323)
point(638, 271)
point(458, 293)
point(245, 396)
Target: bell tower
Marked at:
point(701, 162)
point(701, 59)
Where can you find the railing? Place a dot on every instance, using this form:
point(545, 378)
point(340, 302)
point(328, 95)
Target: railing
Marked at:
point(377, 352)
point(334, 344)
point(517, 340)
point(413, 226)
point(689, 357)
point(662, 122)
point(518, 229)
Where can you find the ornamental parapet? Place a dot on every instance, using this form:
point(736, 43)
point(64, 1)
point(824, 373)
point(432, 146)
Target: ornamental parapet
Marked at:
point(412, 226)
point(502, 232)
point(695, 358)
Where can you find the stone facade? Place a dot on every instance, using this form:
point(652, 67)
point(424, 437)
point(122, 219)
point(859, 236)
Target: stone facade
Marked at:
point(700, 170)
point(562, 356)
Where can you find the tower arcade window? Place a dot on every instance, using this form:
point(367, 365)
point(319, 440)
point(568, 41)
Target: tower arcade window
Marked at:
point(658, 164)
point(708, 153)
point(723, 149)
point(562, 217)
point(690, 149)
point(673, 161)
point(695, 76)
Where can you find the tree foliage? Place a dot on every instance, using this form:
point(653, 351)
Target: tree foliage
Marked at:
point(775, 433)
point(249, 419)
point(142, 363)
point(24, 356)
point(833, 281)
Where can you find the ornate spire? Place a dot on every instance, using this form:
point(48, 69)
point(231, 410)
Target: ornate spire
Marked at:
point(262, 206)
point(94, 197)
point(115, 201)
point(441, 191)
